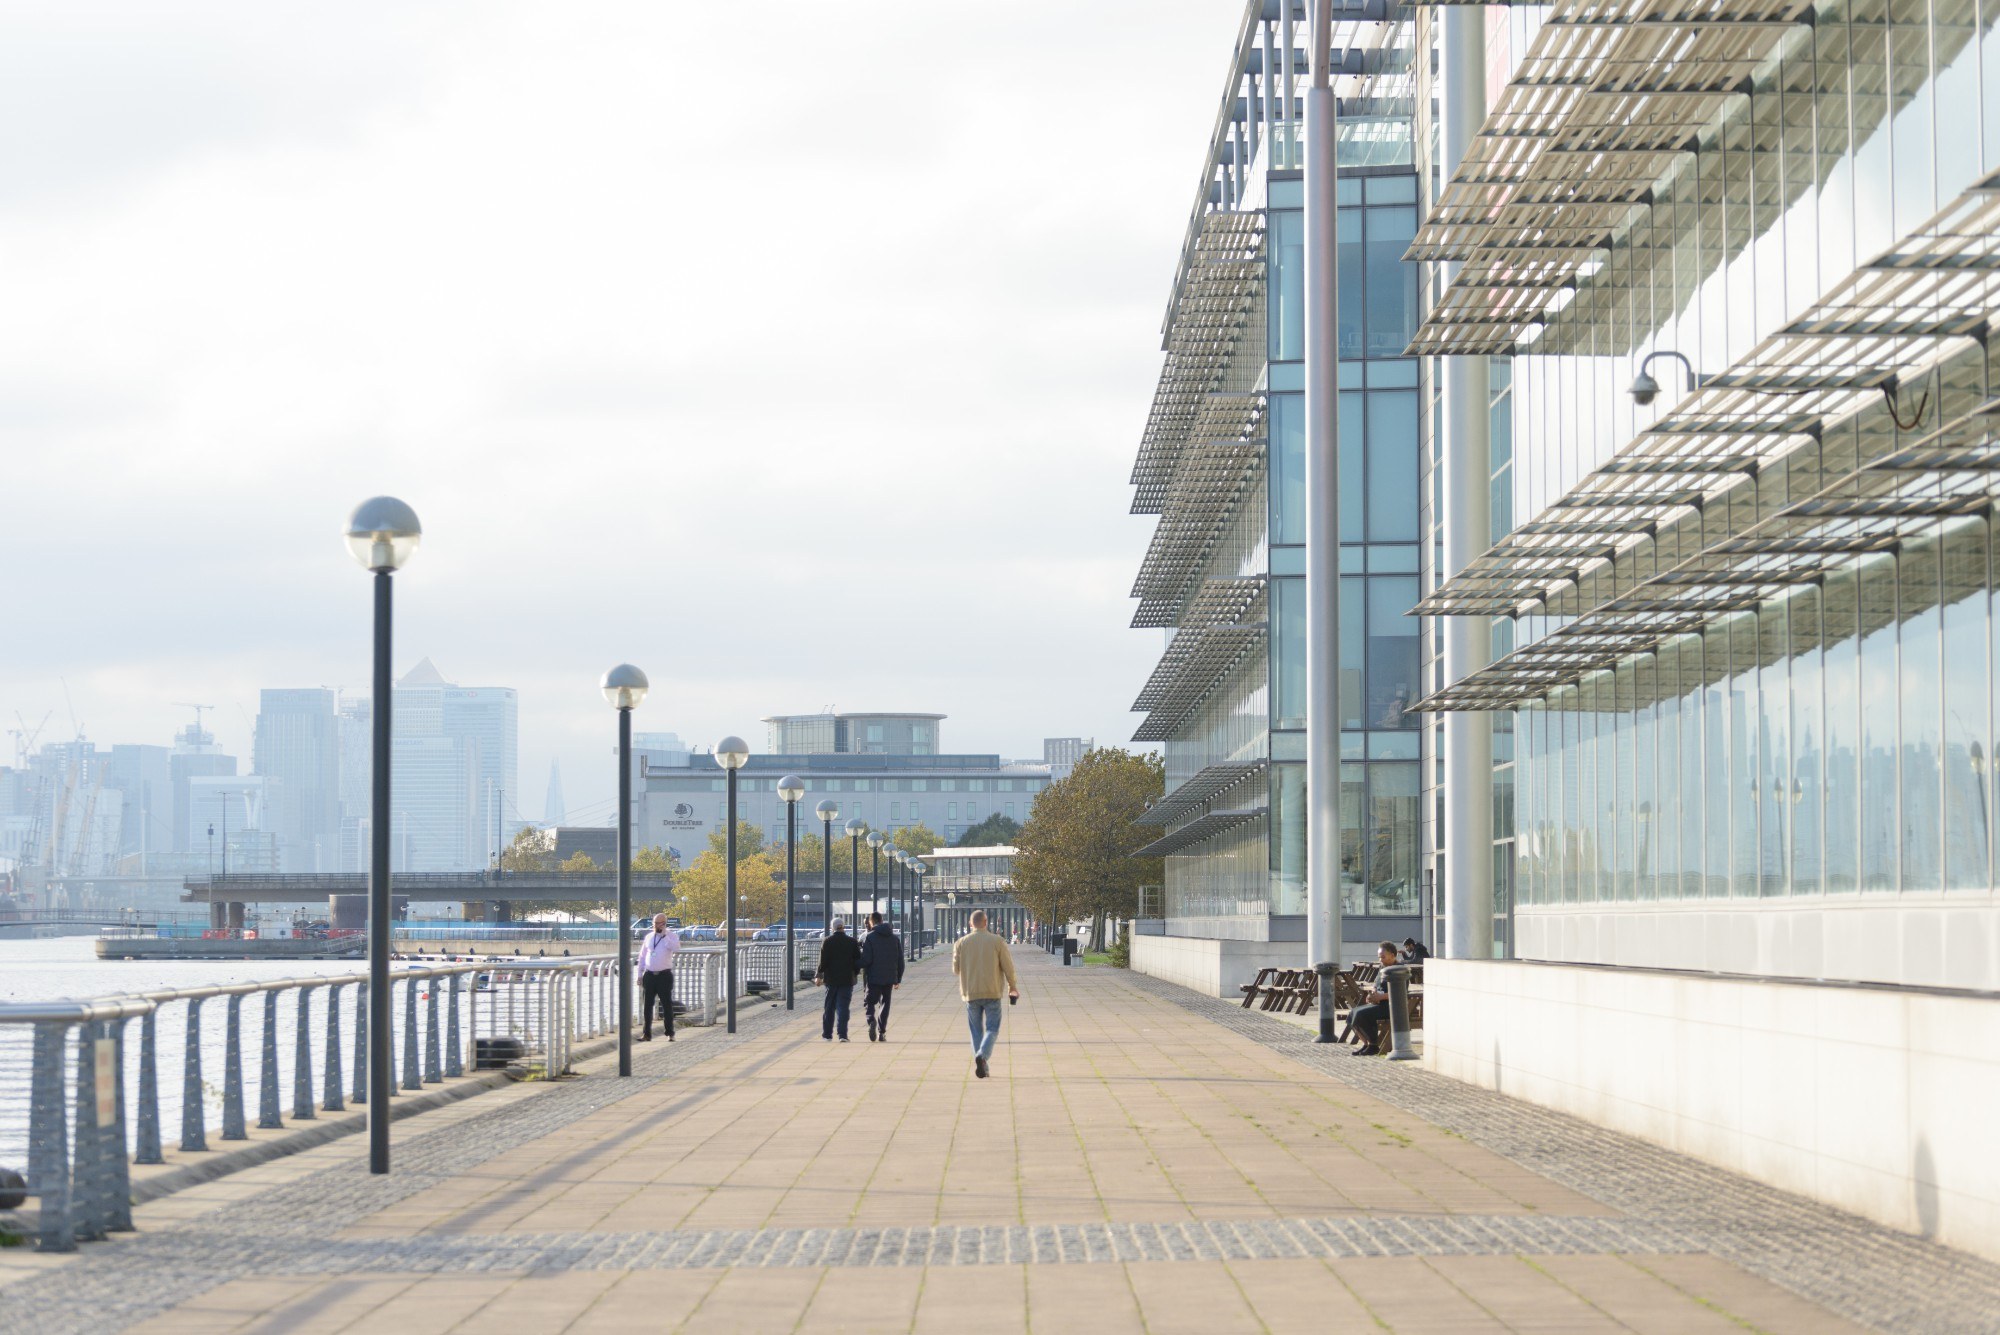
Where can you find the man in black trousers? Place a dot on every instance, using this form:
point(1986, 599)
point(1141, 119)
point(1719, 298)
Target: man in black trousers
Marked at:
point(839, 962)
point(882, 965)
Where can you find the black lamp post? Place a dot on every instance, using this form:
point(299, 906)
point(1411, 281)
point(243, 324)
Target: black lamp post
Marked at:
point(625, 686)
point(732, 753)
point(383, 534)
point(791, 788)
point(874, 871)
point(856, 829)
point(829, 812)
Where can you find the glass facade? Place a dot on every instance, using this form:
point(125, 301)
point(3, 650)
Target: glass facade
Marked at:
point(1814, 752)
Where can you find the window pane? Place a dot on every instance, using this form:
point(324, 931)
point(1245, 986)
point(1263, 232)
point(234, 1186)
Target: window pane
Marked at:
point(1392, 652)
point(1392, 284)
point(1967, 681)
point(1877, 611)
point(1287, 242)
point(1288, 653)
point(1392, 466)
point(1921, 678)
point(1392, 838)
point(1288, 467)
point(1842, 684)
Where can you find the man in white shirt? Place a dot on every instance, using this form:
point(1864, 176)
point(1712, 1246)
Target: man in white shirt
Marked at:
point(656, 974)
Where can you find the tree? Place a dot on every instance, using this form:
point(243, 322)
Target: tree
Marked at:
point(654, 862)
point(760, 887)
point(1075, 853)
point(918, 840)
point(532, 850)
point(996, 829)
point(578, 861)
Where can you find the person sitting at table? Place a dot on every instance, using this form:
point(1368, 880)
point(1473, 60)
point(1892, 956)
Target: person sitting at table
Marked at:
point(1372, 1017)
point(1415, 951)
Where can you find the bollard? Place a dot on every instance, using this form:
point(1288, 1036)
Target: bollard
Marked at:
point(302, 1061)
point(361, 1043)
point(87, 1173)
point(331, 1078)
point(1397, 977)
point(194, 1132)
point(148, 1148)
point(118, 1171)
point(232, 1073)
point(433, 1066)
point(411, 1077)
point(48, 1142)
point(454, 1063)
point(267, 1073)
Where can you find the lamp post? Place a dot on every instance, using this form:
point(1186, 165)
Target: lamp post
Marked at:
point(791, 788)
point(624, 687)
point(917, 870)
point(383, 534)
point(829, 812)
point(892, 852)
point(732, 753)
point(874, 871)
point(856, 829)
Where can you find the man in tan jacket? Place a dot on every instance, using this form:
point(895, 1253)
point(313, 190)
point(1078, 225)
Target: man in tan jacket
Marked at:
point(984, 967)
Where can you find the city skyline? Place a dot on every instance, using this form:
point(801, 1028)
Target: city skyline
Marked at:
point(971, 368)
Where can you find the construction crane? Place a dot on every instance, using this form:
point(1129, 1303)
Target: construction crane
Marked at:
point(25, 737)
point(198, 733)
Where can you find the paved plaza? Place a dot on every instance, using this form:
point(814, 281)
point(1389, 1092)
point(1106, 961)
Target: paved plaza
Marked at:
point(1143, 1159)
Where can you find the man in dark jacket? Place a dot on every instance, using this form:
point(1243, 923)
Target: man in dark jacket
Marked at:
point(839, 962)
point(882, 965)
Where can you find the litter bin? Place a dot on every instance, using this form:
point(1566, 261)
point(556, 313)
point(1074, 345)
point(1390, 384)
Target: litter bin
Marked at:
point(491, 1054)
point(1069, 949)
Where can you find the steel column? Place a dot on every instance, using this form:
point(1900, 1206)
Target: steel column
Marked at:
point(729, 917)
point(1322, 482)
point(1468, 532)
point(302, 1061)
point(147, 1150)
point(268, 1117)
point(233, 1127)
point(625, 894)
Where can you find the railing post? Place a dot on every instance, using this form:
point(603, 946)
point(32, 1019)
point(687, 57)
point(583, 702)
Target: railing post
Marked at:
point(87, 1175)
point(232, 1073)
point(148, 1147)
point(331, 1079)
point(117, 1170)
point(412, 1079)
point(194, 1116)
point(472, 1020)
point(454, 1056)
point(268, 1118)
point(302, 1061)
point(48, 1141)
point(433, 1064)
point(360, 1043)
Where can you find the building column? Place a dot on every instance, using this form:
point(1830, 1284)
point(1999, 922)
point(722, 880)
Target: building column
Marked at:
point(1322, 482)
point(235, 917)
point(1468, 531)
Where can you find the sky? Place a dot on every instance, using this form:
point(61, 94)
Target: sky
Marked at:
point(799, 360)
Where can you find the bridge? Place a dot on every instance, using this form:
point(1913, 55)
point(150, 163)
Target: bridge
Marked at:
point(227, 894)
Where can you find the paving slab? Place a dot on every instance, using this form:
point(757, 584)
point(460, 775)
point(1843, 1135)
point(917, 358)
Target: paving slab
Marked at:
point(1142, 1159)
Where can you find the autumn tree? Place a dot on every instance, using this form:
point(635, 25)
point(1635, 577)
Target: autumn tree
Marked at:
point(918, 840)
point(995, 831)
point(760, 887)
point(1074, 855)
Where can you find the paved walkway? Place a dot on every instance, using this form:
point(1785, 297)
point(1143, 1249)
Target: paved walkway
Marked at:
point(1142, 1160)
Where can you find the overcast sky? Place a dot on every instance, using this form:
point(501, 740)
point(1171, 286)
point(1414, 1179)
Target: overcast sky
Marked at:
point(800, 361)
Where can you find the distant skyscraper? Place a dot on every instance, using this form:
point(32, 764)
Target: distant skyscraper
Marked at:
point(552, 805)
point(144, 775)
point(1060, 754)
point(454, 751)
point(861, 734)
point(298, 748)
point(195, 755)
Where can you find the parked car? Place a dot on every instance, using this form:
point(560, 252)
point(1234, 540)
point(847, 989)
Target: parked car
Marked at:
point(770, 934)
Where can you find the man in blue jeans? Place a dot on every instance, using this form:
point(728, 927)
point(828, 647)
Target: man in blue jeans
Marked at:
point(839, 962)
point(984, 968)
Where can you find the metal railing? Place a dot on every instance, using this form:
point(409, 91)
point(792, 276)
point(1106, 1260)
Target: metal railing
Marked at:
point(79, 1103)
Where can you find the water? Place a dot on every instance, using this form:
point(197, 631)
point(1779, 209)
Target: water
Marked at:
point(67, 968)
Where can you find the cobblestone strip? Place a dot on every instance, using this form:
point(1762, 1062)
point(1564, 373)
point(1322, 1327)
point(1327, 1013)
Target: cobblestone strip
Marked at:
point(196, 1249)
point(119, 1283)
point(1870, 1274)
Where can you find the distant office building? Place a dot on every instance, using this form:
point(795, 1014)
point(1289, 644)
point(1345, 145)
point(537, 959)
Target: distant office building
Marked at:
point(144, 775)
point(552, 802)
point(298, 746)
point(679, 805)
point(1060, 754)
point(863, 734)
point(229, 821)
point(963, 881)
point(599, 843)
point(195, 756)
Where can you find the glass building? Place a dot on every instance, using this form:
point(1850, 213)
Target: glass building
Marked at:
point(1737, 269)
point(1222, 462)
